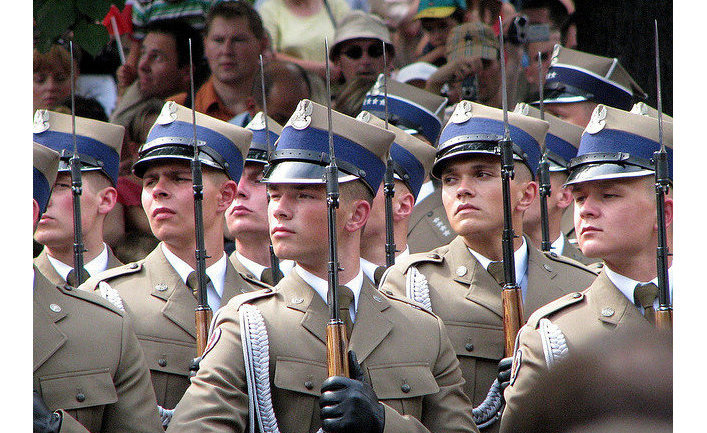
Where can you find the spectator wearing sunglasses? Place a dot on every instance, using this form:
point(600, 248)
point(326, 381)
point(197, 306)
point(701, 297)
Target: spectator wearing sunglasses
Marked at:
point(437, 18)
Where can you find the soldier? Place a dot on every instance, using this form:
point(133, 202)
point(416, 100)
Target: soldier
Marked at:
point(412, 159)
point(463, 279)
point(417, 381)
point(89, 374)
point(562, 141)
point(247, 218)
point(419, 113)
point(158, 291)
point(577, 81)
point(98, 145)
point(611, 179)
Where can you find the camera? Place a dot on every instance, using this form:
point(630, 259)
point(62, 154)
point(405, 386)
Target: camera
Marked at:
point(521, 31)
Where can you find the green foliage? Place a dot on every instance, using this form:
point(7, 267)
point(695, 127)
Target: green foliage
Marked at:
point(55, 19)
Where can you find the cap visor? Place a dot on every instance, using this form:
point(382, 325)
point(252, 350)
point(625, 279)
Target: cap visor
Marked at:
point(589, 172)
point(167, 153)
point(301, 172)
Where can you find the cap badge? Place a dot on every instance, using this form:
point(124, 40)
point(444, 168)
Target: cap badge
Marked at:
point(379, 86)
point(598, 120)
point(364, 116)
point(555, 53)
point(41, 121)
point(258, 122)
point(168, 113)
point(302, 116)
point(523, 109)
point(462, 113)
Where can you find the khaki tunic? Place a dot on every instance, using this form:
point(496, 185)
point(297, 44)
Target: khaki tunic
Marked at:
point(162, 307)
point(467, 298)
point(45, 266)
point(429, 227)
point(88, 363)
point(601, 311)
point(404, 351)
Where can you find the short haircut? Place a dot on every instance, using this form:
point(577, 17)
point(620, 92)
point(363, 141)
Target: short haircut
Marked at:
point(181, 31)
point(237, 9)
point(356, 190)
point(277, 72)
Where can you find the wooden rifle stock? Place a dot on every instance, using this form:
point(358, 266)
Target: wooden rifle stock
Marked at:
point(336, 347)
point(202, 316)
point(512, 316)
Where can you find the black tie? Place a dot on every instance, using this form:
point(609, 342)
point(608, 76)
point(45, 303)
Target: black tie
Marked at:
point(643, 296)
point(497, 272)
point(73, 281)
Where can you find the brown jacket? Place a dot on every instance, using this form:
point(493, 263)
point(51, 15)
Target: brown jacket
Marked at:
point(417, 379)
point(467, 298)
point(45, 266)
point(429, 227)
point(88, 363)
point(162, 310)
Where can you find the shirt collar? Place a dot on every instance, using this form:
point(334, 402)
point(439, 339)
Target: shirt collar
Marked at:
point(520, 257)
point(369, 268)
point(426, 189)
point(559, 245)
point(255, 268)
point(95, 266)
point(627, 285)
point(216, 272)
point(322, 287)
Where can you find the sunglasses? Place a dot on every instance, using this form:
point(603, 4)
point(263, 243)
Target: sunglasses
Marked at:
point(355, 51)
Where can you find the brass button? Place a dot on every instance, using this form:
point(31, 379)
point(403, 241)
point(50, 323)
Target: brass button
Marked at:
point(80, 397)
point(469, 347)
point(405, 388)
point(162, 362)
point(308, 384)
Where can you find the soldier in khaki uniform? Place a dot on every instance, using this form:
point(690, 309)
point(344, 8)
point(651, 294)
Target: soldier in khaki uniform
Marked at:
point(246, 219)
point(419, 113)
point(561, 141)
point(98, 145)
point(457, 280)
point(88, 367)
point(156, 290)
point(606, 193)
point(411, 383)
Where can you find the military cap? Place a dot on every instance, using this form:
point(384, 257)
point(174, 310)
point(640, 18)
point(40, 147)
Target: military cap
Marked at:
point(562, 139)
point(646, 110)
point(576, 76)
point(618, 144)
point(472, 39)
point(358, 24)
point(98, 143)
point(45, 164)
point(412, 158)
point(258, 151)
point(302, 151)
point(222, 145)
point(412, 109)
point(477, 129)
point(438, 8)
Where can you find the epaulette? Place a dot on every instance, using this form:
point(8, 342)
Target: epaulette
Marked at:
point(434, 256)
point(392, 296)
point(596, 266)
point(566, 260)
point(244, 298)
point(91, 297)
point(108, 274)
point(553, 307)
point(254, 281)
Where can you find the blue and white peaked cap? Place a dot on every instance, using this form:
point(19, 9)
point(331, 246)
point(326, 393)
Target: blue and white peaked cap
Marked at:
point(302, 151)
point(477, 129)
point(412, 158)
point(646, 110)
point(45, 164)
point(576, 76)
point(414, 110)
point(618, 144)
point(258, 151)
point(98, 143)
point(222, 145)
point(562, 139)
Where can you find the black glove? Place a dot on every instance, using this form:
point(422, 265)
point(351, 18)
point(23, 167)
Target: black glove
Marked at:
point(350, 405)
point(504, 372)
point(45, 421)
point(194, 366)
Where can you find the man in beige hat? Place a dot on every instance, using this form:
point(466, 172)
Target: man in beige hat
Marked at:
point(461, 282)
point(159, 291)
point(358, 46)
point(98, 145)
point(403, 382)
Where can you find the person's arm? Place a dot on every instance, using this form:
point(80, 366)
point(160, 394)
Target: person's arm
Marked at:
point(456, 69)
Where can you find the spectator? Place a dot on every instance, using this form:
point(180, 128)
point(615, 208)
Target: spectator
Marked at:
point(415, 74)
point(437, 18)
point(545, 48)
point(286, 84)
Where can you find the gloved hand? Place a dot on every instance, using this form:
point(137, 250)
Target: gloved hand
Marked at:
point(504, 372)
point(350, 405)
point(45, 421)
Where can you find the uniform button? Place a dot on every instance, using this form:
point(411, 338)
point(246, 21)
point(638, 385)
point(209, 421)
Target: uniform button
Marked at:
point(429, 214)
point(161, 287)
point(553, 254)
point(469, 347)
point(55, 308)
point(388, 292)
point(607, 312)
point(68, 288)
point(547, 268)
point(405, 388)
point(308, 384)
point(133, 265)
point(162, 362)
point(267, 290)
point(80, 397)
point(377, 298)
point(461, 271)
point(297, 300)
point(576, 295)
point(433, 256)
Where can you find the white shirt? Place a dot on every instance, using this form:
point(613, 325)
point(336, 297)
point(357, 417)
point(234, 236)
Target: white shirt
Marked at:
point(216, 272)
point(322, 287)
point(520, 257)
point(95, 266)
point(369, 268)
point(627, 285)
point(558, 246)
point(257, 269)
point(426, 189)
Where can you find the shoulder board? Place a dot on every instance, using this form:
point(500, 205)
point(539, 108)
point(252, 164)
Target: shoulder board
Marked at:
point(91, 297)
point(553, 307)
point(254, 281)
point(109, 274)
point(416, 305)
point(596, 266)
point(434, 256)
point(566, 260)
point(245, 298)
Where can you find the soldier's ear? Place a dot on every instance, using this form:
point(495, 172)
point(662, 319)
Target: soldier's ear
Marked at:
point(403, 206)
point(668, 212)
point(526, 194)
point(227, 193)
point(564, 198)
point(358, 216)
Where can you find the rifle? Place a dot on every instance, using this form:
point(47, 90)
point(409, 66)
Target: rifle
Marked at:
point(511, 294)
point(664, 314)
point(274, 261)
point(76, 185)
point(388, 183)
point(336, 340)
point(202, 313)
point(543, 173)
